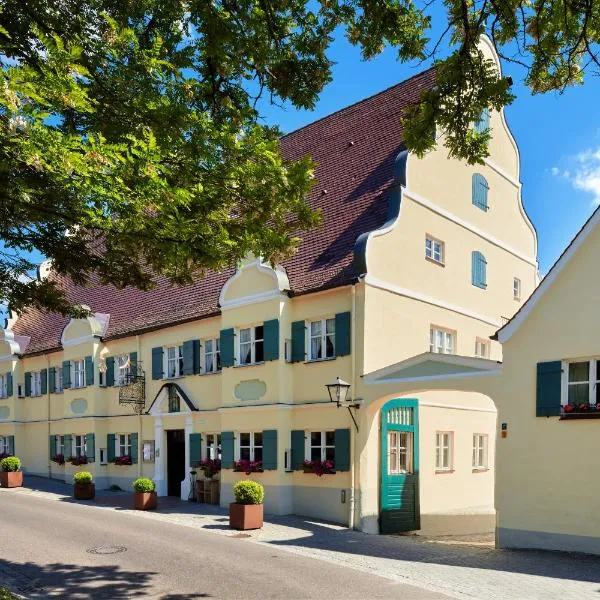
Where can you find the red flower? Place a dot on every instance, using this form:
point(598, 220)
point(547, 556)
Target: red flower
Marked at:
point(569, 408)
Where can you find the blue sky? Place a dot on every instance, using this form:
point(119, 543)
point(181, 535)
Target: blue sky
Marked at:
point(558, 137)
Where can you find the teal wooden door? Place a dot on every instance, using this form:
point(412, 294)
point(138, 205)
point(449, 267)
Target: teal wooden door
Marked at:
point(399, 509)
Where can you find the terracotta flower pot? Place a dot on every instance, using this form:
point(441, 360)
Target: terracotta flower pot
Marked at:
point(10, 479)
point(245, 516)
point(145, 500)
point(84, 491)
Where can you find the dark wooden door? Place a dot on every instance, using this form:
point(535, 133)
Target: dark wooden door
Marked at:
point(175, 461)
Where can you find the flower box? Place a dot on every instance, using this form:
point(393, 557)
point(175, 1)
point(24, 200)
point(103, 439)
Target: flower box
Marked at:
point(11, 479)
point(319, 467)
point(84, 491)
point(245, 516)
point(248, 466)
point(210, 467)
point(77, 461)
point(123, 461)
point(59, 459)
point(574, 416)
point(145, 500)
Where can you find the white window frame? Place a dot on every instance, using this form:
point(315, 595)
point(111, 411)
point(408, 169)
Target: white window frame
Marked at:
point(58, 380)
point(516, 288)
point(436, 255)
point(126, 444)
point(482, 347)
point(408, 451)
point(78, 373)
point(593, 379)
point(36, 383)
point(323, 338)
point(308, 446)
point(215, 354)
point(253, 445)
point(4, 386)
point(480, 447)
point(448, 335)
point(79, 444)
point(122, 367)
point(177, 359)
point(212, 445)
point(4, 444)
point(254, 340)
point(444, 440)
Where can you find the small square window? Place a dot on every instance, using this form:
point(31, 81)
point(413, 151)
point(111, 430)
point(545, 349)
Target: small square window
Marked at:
point(482, 348)
point(480, 447)
point(516, 288)
point(443, 450)
point(442, 341)
point(434, 250)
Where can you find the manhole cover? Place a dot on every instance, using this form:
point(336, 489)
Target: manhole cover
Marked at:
point(107, 550)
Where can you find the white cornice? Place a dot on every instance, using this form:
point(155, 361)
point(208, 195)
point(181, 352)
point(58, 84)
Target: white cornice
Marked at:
point(252, 299)
point(396, 289)
point(80, 340)
point(492, 165)
point(472, 228)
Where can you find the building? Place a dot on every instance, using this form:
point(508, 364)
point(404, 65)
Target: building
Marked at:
point(414, 256)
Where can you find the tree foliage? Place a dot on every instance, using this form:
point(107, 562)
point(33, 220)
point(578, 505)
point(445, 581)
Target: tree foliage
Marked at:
point(130, 140)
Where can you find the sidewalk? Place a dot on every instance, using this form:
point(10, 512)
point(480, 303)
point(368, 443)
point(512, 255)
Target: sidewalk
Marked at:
point(459, 571)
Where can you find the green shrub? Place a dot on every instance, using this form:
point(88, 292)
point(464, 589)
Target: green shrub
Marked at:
point(83, 477)
point(249, 492)
point(143, 484)
point(10, 463)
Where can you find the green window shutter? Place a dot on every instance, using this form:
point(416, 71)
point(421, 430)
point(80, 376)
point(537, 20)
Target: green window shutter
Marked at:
point(227, 347)
point(44, 381)
point(298, 449)
point(52, 379)
point(28, 383)
point(133, 363)
point(269, 440)
point(133, 437)
point(478, 270)
point(195, 449)
point(110, 447)
point(483, 123)
point(66, 374)
point(342, 449)
point(110, 371)
point(548, 389)
point(11, 445)
point(227, 449)
point(68, 451)
point(157, 363)
point(342, 334)
point(197, 368)
point(89, 370)
point(90, 442)
point(479, 191)
point(271, 337)
point(52, 446)
point(298, 341)
point(9, 384)
point(188, 357)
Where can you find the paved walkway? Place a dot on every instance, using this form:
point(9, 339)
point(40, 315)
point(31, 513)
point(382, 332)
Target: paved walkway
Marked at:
point(459, 571)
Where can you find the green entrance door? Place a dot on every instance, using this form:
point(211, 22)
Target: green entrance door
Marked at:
point(400, 467)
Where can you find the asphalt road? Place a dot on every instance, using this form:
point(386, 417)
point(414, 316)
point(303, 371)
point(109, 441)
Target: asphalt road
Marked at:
point(45, 552)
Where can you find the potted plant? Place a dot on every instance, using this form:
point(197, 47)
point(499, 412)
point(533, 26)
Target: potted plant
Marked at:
point(247, 510)
point(11, 475)
point(210, 467)
point(83, 486)
point(145, 494)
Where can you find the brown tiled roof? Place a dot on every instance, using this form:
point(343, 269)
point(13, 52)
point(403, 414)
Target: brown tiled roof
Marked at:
point(354, 150)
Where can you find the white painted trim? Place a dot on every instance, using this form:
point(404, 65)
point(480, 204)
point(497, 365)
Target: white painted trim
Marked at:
point(396, 289)
point(500, 171)
point(511, 327)
point(428, 378)
point(8, 357)
point(253, 299)
point(79, 340)
point(7, 335)
point(458, 407)
point(468, 226)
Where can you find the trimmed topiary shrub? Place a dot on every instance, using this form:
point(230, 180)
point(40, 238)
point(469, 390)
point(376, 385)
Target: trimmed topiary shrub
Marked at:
point(10, 464)
point(143, 484)
point(83, 477)
point(248, 492)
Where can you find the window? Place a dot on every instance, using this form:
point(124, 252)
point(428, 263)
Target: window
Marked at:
point(122, 369)
point(479, 191)
point(80, 445)
point(434, 250)
point(443, 451)
point(322, 339)
point(212, 356)
point(36, 383)
point(213, 446)
point(5, 445)
point(399, 452)
point(3, 386)
point(123, 444)
point(483, 123)
point(578, 386)
point(251, 446)
point(516, 288)
point(480, 451)
point(478, 270)
point(442, 341)
point(58, 379)
point(251, 345)
point(174, 401)
point(78, 373)
point(482, 348)
point(174, 361)
point(59, 441)
point(321, 445)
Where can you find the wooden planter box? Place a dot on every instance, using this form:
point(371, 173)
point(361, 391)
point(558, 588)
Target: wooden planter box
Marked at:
point(84, 491)
point(145, 500)
point(208, 491)
point(10, 479)
point(245, 516)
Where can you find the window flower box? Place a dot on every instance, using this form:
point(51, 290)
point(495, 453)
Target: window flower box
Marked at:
point(78, 460)
point(123, 461)
point(580, 411)
point(248, 466)
point(210, 467)
point(59, 459)
point(319, 467)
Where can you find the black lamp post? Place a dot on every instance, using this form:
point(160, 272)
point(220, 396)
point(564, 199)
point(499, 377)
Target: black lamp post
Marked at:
point(338, 394)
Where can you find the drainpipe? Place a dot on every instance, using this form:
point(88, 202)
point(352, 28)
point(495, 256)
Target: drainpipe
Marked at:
point(353, 395)
point(49, 423)
point(140, 436)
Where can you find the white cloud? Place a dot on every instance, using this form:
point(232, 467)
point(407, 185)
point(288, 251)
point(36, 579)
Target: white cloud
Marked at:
point(585, 173)
point(555, 171)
